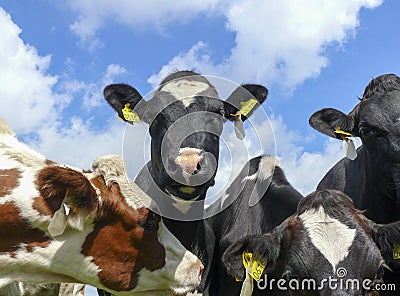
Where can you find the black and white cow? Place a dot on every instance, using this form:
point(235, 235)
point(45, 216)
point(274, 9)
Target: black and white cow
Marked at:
point(372, 180)
point(327, 248)
point(186, 118)
point(259, 198)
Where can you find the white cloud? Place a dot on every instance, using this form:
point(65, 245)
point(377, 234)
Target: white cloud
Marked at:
point(78, 143)
point(26, 93)
point(93, 96)
point(32, 106)
point(92, 92)
point(112, 72)
point(94, 14)
point(277, 41)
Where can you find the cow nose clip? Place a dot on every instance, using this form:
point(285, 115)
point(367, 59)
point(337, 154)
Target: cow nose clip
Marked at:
point(189, 161)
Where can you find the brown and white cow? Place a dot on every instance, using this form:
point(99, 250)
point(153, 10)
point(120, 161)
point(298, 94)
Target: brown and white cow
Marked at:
point(62, 224)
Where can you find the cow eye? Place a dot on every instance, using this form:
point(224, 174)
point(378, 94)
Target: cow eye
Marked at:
point(365, 130)
point(151, 223)
point(372, 131)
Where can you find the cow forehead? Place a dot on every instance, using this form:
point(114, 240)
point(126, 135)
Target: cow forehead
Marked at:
point(186, 90)
point(332, 238)
point(380, 111)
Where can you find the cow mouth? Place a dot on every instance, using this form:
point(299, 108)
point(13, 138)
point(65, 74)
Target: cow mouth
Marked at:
point(184, 191)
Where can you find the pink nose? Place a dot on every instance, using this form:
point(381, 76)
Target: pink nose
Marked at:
point(188, 159)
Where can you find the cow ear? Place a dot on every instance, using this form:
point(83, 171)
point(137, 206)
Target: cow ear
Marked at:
point(333, 123)
point(264, 249)
point(387, 238)
point(242, 103)
point(68, 194)
point(125, 99)
point(244, 100)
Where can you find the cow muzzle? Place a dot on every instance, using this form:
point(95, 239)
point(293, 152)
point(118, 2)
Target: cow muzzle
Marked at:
point(192, 167)
point(189, 161)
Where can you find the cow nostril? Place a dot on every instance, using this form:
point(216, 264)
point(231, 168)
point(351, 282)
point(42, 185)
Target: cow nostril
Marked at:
point(198, 169)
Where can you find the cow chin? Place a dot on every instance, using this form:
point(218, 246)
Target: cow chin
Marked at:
point(187, 192)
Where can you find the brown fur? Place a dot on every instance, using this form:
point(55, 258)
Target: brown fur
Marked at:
point(9, 181)
point(49, 162)
point(132, 247)
point(53, 183)
point(15, 230)
point(42, 206)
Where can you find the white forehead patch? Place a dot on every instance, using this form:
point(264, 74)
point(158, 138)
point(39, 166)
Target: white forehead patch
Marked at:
point(330, 236)
point(185, 90)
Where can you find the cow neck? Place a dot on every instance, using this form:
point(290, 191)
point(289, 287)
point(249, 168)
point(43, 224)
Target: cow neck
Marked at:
point(380, 195)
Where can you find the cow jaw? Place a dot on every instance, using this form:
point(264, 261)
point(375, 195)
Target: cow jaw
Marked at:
point(187, 267)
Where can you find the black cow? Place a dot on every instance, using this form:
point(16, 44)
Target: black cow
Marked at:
point(327, 248)
point(259, 199)
point(372, 180)
point(185, 117)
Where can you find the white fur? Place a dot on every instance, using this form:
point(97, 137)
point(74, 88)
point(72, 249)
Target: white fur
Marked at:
point(5, 128)
point(267, 166)
point(185, 90)
point(265, 170)
point(330, 236)
point(189, 150)
point(182, 204)
point(112, 168)
point(184, 272)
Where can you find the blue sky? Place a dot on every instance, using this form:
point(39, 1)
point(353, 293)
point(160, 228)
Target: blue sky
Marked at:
point(57, 56)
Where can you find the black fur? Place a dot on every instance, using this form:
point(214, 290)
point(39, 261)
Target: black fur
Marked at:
point(372, 180)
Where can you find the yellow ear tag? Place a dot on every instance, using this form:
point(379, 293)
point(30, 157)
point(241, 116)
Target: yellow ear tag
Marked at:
point(247, 107)
point(253, 267)
point(348, 144)
point(396, 251)
point(342, 133)
point(129, 114)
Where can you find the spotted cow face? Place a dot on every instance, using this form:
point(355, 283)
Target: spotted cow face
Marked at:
point(185, 117)
point(326, 241)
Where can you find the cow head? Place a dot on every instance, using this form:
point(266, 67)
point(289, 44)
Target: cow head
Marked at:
point(326, 238)
point(125, 245)
point(376, 120)
point(185, 117)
